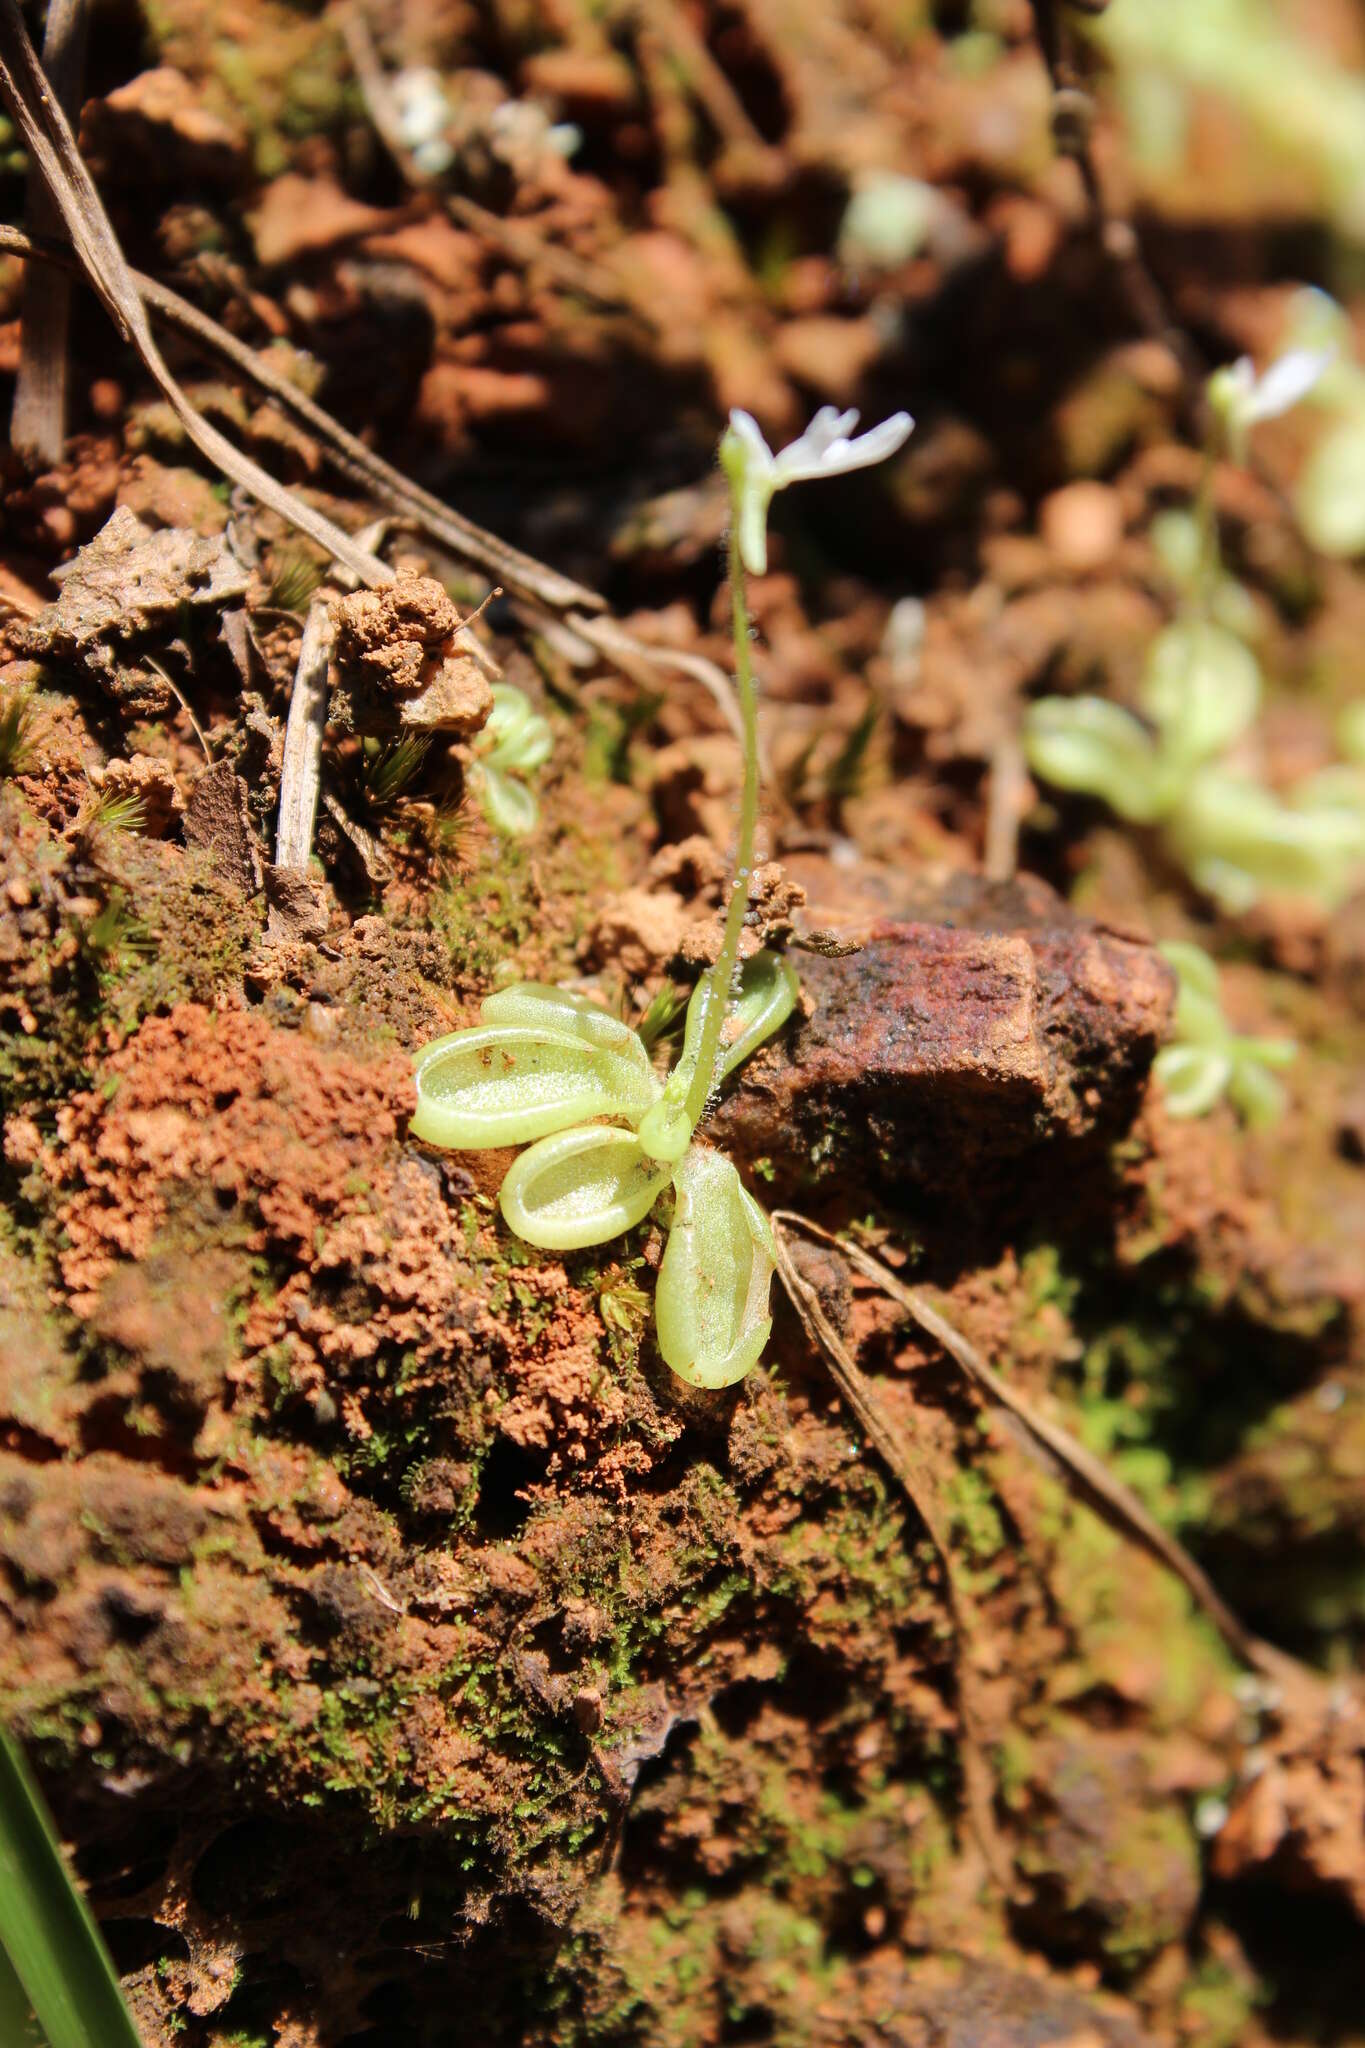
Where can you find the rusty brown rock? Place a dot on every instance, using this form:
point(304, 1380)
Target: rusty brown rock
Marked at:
point(971, 2002)
point(945, 1052)
point(153, 128)
point(1107, 1861)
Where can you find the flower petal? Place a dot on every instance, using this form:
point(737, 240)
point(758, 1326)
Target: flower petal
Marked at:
point(580, 1187)
point(1286, 382)
point(1202, 686)
point(808, 455)
point(502, 1084)
point(838, 455)
point(711, 1297)
point(758, 456)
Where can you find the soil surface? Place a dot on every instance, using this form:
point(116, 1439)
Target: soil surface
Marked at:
point(408, 1657)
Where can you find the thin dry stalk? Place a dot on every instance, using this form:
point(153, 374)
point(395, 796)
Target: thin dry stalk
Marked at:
point(1078, 1468)
point(702, 75)
point(914, 1476)
point(1007, 793)
point(534, 582)
point(54, 157)
point(38, 417)
point(301, 771)
point(1073, 115)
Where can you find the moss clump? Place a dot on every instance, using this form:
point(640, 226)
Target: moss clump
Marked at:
point(97, 933)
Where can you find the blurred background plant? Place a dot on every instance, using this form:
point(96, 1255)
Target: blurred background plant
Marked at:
point(1184, 765)
point(1206, 1060)
point(512, 747)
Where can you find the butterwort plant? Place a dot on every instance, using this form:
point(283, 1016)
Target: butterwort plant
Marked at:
point(1178, 765)
point(605, 1134)
point(512, 747)
point(1205, 1059)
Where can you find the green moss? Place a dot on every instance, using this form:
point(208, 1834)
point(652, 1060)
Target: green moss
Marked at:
point(976, 1523)
point(289, 80)
point(1218, 2008)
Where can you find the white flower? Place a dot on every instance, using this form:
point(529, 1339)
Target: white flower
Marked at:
point(887, 220)
point(825, 449)
point(422, 111)
point(1244, 399)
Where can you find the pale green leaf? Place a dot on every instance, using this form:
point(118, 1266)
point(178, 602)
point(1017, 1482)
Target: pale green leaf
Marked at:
point(503, 1084)
point(768, 992)
point(766, 996)
point(1266, 1052)
point(1255, 1094)
point(1240, 841)
point(1090, 745)
point(580, 1187)
point(1175, 539)
point(665, 1130)
point(1201, 686)
point(1351, 731)
point(527, 750)
point(1192, 964)
point(1198, 1018)
point(540, 1005)
point(1340, 790)
point(711, 1298)
point(1192, 1077)
point(1330, 495)
point(508, 805)
point(507, 720)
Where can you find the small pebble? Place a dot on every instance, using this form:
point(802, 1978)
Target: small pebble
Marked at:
point(1082, 524)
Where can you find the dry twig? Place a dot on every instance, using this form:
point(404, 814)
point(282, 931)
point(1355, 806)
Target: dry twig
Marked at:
point(301, 772)
point(1090, 1480)
point(54, 156)
point(914, 1476)
point(38, 418)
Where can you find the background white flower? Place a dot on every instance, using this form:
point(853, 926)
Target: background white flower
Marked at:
point(1244, 399)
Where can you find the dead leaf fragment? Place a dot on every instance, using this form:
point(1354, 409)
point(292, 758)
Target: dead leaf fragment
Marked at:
point(130, 581)
point(216, 819)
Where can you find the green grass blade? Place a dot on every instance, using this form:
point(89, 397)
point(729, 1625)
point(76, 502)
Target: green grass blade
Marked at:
point(48, 1932)
point(17, 2024)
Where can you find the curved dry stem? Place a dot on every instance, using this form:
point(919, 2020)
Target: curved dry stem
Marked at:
point(1081, 1471)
